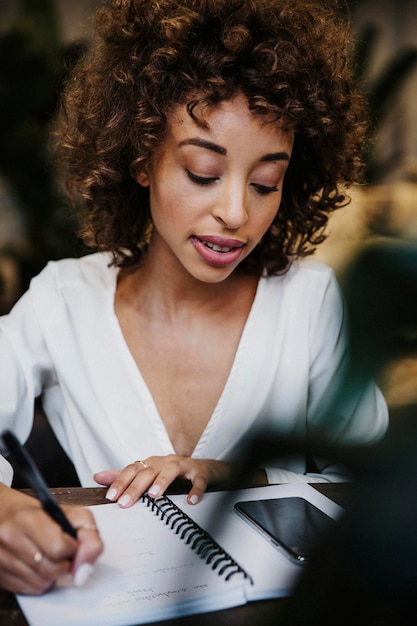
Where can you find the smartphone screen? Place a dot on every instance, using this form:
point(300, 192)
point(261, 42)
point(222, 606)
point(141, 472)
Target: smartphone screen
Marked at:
point(293, 524)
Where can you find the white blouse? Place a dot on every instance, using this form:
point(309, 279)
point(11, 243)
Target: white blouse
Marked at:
point(63, 340)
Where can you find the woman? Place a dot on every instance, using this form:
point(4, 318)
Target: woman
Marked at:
point(208, 141)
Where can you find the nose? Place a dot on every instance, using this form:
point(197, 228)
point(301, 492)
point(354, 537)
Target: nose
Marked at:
point(231, 208)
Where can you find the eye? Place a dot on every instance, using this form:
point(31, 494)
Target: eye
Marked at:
point(263, 190)
point(201, 180)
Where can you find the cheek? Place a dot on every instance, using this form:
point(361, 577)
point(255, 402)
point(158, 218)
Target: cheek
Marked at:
point(265, 218)
point(169, 207)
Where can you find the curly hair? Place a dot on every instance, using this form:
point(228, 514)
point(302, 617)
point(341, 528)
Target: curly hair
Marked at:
point(290, 59)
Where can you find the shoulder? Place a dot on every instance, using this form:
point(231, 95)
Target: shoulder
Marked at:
point(90, 270)
point(306, 295)
point(88, 282)
point(304, 277)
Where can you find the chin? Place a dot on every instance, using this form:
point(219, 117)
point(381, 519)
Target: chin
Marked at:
point(213, 275)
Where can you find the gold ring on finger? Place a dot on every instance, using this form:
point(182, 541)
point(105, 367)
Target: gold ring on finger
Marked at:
point(38, 557)
point(142, 463)
point(87, 526)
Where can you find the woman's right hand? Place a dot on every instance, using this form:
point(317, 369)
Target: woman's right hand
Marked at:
point(35, 553)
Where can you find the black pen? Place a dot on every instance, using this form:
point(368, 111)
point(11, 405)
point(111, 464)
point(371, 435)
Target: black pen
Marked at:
point(36, 482)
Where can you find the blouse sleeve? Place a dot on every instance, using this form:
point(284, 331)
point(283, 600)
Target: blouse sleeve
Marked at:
point(361, 418)
point(358, 418)
point(24, 371)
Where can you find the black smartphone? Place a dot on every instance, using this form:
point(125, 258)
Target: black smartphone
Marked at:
point(292, 524)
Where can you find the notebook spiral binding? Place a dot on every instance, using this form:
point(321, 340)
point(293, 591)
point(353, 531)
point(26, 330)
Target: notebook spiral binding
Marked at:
point(196, 537)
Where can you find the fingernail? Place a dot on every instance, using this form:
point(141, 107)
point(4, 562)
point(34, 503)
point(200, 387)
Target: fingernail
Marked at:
point(111, 494)
point(154, 491)
point(83, 573)
point(193, 499)
point(124, 500)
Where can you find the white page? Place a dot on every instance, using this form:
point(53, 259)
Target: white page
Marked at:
point(145, 574)
point(274, 575)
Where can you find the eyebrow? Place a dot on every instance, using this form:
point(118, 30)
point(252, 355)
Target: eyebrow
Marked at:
point(275, 156)
point(214, 147)
point(202, 143)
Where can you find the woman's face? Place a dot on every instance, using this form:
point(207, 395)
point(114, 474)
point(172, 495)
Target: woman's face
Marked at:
point(215, 191)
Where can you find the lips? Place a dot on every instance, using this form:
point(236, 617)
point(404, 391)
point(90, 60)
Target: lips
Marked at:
point(220, 244)
point(218, 251)
point(216, 248)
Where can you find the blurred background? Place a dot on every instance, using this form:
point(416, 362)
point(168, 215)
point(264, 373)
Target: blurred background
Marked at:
point(41, 39)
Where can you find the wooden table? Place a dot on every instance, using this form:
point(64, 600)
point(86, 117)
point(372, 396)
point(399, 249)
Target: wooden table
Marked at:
point(247, 615)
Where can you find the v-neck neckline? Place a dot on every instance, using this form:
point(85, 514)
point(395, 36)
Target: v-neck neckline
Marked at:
point(139, 382)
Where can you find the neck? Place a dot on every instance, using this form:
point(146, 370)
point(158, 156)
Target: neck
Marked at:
point(166, 292)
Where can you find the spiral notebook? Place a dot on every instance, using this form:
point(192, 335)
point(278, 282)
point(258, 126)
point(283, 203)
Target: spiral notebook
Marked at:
point(164, 559)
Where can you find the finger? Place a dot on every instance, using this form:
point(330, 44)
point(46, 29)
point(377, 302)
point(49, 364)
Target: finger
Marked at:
point(44, 571)
point(106, 477)
point(33, 530)
point(199, 487)
point(55, 544)
point(31, 570)
point(52, 556)
point(35, 553)
point(174, 467)
point(90, 545)
point(130, 484)
point(26, 581)
point(33, 549)
point(18, 584)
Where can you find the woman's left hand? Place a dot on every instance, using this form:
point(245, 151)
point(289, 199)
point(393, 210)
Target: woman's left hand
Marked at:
point(156, 473)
